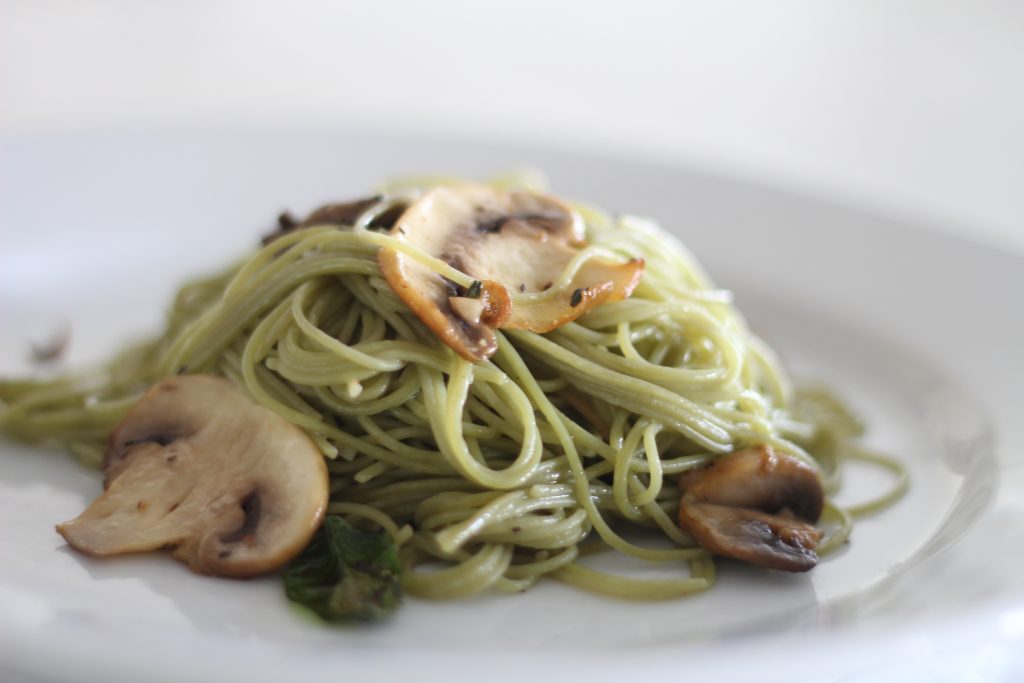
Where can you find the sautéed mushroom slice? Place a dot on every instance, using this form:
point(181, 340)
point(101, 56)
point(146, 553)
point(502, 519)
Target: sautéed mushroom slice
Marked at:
point(755, 505)
point(195, 466)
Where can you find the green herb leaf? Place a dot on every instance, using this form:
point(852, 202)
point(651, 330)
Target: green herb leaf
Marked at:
point(346, 574)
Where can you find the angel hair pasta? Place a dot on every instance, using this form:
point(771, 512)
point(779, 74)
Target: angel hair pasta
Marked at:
point(502, 382)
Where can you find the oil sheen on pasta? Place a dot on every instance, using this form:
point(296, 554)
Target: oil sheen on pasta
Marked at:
point(489, 474)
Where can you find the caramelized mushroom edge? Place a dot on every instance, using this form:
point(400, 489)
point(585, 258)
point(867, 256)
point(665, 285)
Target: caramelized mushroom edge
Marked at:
point(755, 505)
point(507, 242)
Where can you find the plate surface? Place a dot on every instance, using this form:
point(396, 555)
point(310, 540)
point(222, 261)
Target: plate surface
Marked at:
point(920, 332)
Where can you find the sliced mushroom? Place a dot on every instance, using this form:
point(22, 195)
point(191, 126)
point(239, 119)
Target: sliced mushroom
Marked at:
point(755, 505)
point(506, 241)
point(340, 214)
point(196, 466)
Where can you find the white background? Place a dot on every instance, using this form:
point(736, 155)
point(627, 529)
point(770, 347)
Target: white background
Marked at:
point(913, 109)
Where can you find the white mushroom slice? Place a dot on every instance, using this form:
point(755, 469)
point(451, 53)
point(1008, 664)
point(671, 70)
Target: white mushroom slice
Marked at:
point(196, 466)
point(470, 310)
point(508, 242)
point(755, 505)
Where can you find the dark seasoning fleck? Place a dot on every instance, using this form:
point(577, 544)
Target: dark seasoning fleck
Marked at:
point(577, 297)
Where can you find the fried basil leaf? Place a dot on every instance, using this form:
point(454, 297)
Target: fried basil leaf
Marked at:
point(346, 574)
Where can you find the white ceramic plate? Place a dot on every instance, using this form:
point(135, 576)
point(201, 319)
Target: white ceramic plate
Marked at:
point(921, 332)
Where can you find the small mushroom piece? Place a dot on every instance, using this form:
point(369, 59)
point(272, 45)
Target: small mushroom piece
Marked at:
point(755, 505)
point(508, 241)
point(343, 213)
point(196, 466)
point(340, 214)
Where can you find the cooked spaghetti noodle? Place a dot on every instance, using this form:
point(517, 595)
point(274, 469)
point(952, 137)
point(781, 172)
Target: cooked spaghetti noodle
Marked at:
point(505, 470)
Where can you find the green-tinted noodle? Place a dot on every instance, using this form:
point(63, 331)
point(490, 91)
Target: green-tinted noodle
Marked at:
point(489, 468)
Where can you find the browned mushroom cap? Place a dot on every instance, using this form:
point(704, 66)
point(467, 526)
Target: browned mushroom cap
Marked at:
point(198, 467)
point(340, 214)
point(508, 242)
point(755, 505)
